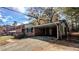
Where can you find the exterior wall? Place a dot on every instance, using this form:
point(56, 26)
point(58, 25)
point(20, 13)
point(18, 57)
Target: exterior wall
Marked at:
point(38, 31)
point(18, 29)
point(50, 31)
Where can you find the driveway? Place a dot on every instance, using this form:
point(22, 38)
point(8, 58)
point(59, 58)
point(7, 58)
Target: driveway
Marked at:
point(38, 44)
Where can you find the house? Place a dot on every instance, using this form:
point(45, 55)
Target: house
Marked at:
point(11, 30)
point(50, 29)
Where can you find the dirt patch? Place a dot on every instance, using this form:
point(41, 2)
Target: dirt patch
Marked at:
point(3, 43)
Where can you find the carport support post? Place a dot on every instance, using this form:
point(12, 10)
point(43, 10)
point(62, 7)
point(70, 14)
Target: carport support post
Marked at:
point(34, 31)
point(50, 31)
point(57, 31)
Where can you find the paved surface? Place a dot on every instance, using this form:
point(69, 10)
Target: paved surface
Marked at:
point(39, 44)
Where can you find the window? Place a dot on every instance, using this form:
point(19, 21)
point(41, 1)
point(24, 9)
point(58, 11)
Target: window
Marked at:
point(29, 29)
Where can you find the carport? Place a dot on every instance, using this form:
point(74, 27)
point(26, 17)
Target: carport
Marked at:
point(50, 29)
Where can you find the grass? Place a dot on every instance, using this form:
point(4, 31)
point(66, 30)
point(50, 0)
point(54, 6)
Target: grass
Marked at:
point(3, 39)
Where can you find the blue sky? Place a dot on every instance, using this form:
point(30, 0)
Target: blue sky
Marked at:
point(8, 17)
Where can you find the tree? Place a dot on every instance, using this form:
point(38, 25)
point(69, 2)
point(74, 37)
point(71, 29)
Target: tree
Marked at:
point(15, 23)
point(73, 12)
point(49, 12)
point(46, 14)
point(36, 13)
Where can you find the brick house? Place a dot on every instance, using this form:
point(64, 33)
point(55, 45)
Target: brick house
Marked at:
point(55, 29)
point(50, 29)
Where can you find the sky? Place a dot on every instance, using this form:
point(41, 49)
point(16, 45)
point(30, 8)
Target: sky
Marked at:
point(7, 17)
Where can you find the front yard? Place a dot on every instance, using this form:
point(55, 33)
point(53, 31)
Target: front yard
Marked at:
point(5, 39)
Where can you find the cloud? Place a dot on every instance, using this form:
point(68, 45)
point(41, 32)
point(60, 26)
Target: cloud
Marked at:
point(25, 22)
point(1, 16)
point(7, 18)
point(18, 24)
point(20, 9)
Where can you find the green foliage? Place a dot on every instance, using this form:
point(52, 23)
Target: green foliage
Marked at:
point(15, 23)
point(72, 11)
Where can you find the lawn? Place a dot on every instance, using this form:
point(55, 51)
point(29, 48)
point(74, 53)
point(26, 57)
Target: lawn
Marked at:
point(4, 39)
